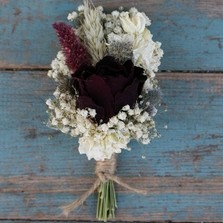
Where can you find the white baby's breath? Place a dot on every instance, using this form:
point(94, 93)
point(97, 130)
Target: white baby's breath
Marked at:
point(115, 14)
point(59, 69)
point(80, 8)
point(72, 16)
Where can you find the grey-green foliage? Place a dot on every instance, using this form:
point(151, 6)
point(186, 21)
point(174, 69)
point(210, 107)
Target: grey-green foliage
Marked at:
point(120, 47)
point(150, 99)
point(67, 85)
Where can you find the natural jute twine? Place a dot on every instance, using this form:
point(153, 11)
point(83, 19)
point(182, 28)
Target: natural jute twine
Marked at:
point(104, 171)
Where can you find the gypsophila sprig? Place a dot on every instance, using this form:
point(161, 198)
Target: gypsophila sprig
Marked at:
point(107, 91)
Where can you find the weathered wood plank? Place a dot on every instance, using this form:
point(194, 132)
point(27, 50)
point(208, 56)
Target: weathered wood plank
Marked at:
point(40, 169)
point(191, 31)
point(45, 194)
point(154, 185)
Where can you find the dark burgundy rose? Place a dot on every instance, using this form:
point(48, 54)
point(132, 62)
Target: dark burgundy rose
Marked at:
point(108, 87)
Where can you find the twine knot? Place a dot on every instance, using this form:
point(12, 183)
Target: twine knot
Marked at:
point(105, 168)
point(104, 171)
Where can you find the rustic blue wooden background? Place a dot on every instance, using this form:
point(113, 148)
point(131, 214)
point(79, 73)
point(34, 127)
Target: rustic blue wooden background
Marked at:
point(40, 169)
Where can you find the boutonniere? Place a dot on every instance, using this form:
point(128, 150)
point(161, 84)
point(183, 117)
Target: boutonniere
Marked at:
point(106, 92)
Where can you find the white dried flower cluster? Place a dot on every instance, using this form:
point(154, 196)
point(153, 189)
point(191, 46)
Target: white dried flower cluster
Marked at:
point(113, 24)
point(146, 52)
point(124, 36)
point(115, 135)
point(59, 69)
point(72, 16)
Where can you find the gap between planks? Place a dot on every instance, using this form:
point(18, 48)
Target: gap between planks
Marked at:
point(178, 75)
point(46, 68)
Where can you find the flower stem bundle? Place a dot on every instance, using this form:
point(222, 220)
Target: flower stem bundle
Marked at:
point(106, 203)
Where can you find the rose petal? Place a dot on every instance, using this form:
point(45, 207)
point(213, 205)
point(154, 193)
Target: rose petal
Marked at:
point(127, 97)
point(84, 71)
point(108, 87)
point(79, 85)
point(98, 89)
point(109, 66)
point(138, 72)
point(116, 76)
point(116, 84)
point(129, 67)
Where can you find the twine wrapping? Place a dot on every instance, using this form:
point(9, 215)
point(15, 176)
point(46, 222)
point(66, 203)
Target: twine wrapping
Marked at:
point(104, 171)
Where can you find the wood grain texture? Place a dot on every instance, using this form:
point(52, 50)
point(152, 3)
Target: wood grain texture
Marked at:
point(41, 169)
point(190, 31)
